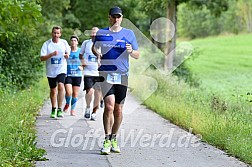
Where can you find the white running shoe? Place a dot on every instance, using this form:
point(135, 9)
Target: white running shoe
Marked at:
point(87, 113)
point(93, 117)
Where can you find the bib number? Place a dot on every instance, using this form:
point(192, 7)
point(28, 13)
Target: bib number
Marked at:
point(114, 78)
point(92, 58)
point(73, 72)
point(56, 61)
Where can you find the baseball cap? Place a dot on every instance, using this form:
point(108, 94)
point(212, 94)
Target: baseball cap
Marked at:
point(115, 10)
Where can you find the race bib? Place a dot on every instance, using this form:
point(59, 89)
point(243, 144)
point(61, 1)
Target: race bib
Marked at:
point(73, 72)
point(92, 58)
point(114, 78)
point(56, 60)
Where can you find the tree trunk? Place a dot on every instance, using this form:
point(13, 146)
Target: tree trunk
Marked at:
point(171, 44)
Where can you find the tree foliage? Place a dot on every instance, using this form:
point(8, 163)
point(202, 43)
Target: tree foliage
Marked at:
point(196, 23)
point(19, 65)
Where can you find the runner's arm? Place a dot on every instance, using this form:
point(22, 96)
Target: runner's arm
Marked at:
point(48, 56)
point(133, 53)
point(96, 52)
point(83, 62)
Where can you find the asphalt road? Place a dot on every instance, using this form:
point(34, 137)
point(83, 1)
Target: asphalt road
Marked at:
point(146, 139)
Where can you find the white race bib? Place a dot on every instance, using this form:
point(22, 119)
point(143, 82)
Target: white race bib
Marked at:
point(114, 78)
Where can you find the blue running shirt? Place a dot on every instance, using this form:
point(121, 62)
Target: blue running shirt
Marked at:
point(113, 48)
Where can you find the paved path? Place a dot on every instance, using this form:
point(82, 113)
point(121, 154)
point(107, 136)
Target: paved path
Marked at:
point(146, 139)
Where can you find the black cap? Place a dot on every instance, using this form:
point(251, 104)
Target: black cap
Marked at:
point(115, 10)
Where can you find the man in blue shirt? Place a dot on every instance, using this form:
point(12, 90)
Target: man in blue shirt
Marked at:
point(113, 46)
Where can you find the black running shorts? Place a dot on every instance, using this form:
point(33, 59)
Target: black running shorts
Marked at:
point(118, 90)
point(53, 81)
point(91, 82)
point(75, 81)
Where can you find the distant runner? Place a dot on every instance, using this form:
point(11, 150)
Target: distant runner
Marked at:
point(74, 75)
point(55, 51)
point(90, 64)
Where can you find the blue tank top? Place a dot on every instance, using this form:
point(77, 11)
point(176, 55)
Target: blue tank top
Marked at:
point(73, 63)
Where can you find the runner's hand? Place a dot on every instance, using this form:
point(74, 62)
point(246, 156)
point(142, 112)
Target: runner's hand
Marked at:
point(66, 55)
point(129, 48)
point(80, 68)
point(54, 53)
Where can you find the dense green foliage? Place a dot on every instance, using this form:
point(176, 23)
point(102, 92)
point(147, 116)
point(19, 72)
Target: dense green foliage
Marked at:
point(201, 22)
point(19, 64)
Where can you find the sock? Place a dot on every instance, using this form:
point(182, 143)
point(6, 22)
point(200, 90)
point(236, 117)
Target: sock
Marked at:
point(73, 103)
point(68, 98)
point(112, 136)
point(53, 108)
point(107, 137)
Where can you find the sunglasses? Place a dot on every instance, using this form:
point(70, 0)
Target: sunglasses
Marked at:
point(116, 16)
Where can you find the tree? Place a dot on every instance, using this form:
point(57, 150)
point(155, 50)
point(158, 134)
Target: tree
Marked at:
point(19, 29)
point(170, 6)
point(92, 13)
point(244, 11)
point(17, 17)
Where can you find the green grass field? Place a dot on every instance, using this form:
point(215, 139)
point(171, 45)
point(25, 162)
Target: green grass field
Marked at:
point(219, 109)
point(224, 64)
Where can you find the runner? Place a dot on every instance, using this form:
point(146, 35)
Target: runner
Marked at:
point(74, 75)
point(55, 51)
point(89, 61)
point(113, 46)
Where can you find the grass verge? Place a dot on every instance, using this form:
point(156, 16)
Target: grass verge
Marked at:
point(17, 121)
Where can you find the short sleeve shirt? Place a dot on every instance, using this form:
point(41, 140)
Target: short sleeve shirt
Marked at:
point(91, 68)
point(113, 48)
point(57, 64)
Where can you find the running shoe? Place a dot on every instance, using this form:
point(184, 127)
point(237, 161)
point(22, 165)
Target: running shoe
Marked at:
point(60, 113)
point(115, 148)
point(93, 117)
point(66, 107)
point(53, 113)
point(73, 113)
point(106, 147)
point(87, 113)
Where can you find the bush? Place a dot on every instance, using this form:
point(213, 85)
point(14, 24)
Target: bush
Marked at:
point(196, 23)
point(19, 62)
